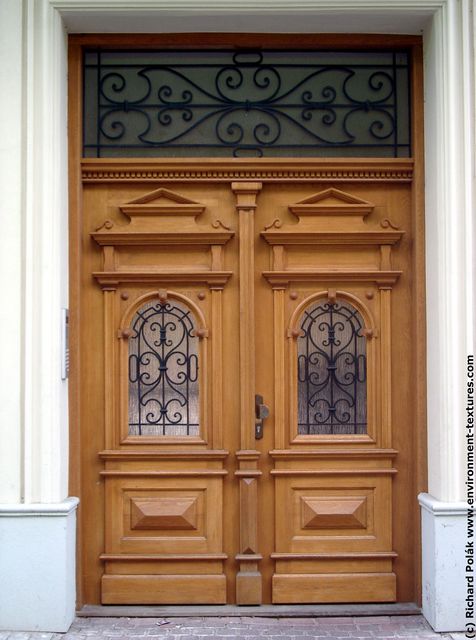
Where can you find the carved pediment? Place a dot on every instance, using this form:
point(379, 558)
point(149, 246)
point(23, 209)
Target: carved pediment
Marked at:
point(332, 202)
point(330, 216)
point(162, 217)
point(162, 202)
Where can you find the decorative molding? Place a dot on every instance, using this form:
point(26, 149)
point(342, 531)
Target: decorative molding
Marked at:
point(40, 510)
point(165, 474)
point(248, 473)
point(226, 170)
point(357, 555)
point(107, 224)
point(275, 224)
point(248, 557)
point(355, 238)
point(172, 197)
point(333, 472)
point(439, 508)
point(247, 455)
point(157, 238)
point(215, 279)
point(282, 278)
point(216, 224)
point(112, 6)
point(186, 16)
point(387, 223)
point(161, 557)
point(121, 454)
point(316, 454)
point(332, 202)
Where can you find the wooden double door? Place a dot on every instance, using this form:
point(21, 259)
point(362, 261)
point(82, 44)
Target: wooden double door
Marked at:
point(247, 395)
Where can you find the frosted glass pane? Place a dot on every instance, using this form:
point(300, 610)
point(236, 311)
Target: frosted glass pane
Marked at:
point(163, 371)
point(332, 393)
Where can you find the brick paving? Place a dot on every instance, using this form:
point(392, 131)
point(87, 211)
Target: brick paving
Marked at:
point(244, 628)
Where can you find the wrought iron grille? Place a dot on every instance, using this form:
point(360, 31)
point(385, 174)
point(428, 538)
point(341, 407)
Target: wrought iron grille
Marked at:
point(163, 372)
point(332, 394)
point(246, 103)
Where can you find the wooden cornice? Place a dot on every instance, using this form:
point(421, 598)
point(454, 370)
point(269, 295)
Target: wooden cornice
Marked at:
point(356, 238)
point(114, 278)
point(158, 454)
point(300, 454)
point(331, 275)
point(128, 237)
point(261, 169)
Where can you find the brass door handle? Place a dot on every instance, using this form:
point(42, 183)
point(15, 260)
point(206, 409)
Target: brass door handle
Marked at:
point(261, 412)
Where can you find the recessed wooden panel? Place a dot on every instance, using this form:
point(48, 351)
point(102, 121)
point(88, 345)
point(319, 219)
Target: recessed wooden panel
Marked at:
point(336, 587)
point(164, 513)
point(332, 513)
point(170, 515)
point(171, 589)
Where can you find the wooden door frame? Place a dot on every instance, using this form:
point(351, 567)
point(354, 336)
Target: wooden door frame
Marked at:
point(317, 169)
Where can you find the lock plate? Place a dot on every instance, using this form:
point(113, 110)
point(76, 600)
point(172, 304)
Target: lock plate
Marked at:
point(261, 412)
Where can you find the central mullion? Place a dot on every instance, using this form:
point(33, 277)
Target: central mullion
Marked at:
point(249, 579)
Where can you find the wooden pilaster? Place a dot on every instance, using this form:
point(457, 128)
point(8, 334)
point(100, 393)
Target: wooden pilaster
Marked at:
point(249, 579)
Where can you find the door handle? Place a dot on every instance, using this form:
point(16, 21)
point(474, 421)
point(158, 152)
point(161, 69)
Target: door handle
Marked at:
point(261, 412)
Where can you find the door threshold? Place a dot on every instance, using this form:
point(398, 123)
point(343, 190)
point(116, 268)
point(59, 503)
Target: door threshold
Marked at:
point(260, 611)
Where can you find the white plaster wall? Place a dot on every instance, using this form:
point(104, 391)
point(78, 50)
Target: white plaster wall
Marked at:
point(45, 213)
point(33, 252)
point(449, 198)
point(11, 267)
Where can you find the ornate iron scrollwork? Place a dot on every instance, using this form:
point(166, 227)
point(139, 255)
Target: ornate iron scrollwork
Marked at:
point(332, 370)
point(163, 371)
point(246, 103)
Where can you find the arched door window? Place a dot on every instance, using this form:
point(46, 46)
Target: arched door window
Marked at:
point(163, 371)
point(331, 361)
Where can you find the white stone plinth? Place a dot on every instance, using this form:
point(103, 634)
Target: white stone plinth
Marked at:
point(37, 566)
point(444, 533)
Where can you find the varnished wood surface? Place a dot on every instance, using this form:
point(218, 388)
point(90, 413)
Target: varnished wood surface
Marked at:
point(337, 170)
point(251, 487)
point(351, 587)
point(284, 40)
point(325, 465)
point(249, 588)
point(419, 478)
point(191, 589)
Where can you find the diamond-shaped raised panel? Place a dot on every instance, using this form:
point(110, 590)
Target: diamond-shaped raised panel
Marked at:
point(334, 513)
point(164, 513)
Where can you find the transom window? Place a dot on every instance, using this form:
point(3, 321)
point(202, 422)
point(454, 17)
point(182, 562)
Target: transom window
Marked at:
point(246, 103)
